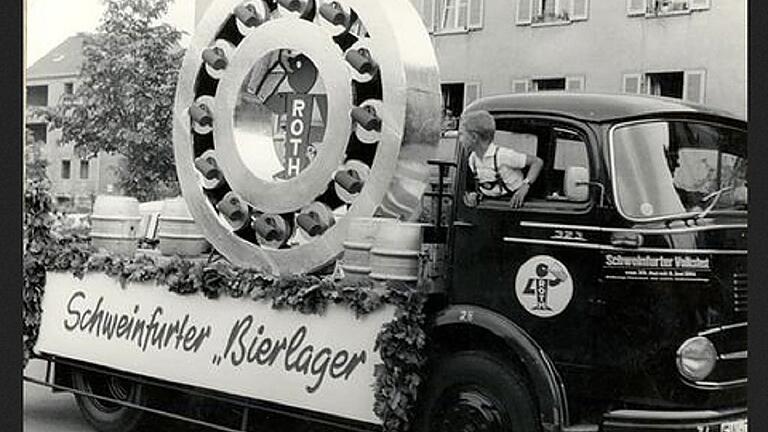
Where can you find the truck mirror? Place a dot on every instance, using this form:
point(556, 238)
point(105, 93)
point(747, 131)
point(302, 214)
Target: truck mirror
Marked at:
point(576, 183)
point(741, 196)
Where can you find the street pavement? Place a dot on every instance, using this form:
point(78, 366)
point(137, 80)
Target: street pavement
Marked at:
point(45, 411)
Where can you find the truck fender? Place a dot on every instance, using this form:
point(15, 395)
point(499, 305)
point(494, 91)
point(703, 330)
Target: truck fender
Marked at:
point(548, 385)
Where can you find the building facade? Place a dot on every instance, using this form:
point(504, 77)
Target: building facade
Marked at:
point(75, 181)
point(689, 49)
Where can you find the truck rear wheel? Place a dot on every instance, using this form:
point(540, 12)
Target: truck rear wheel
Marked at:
point(473, 391)
point(107, 416)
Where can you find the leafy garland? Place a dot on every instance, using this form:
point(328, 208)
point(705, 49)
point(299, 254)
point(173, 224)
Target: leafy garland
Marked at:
point(401, 342)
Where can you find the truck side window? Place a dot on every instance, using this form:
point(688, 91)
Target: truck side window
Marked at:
point(563, 149)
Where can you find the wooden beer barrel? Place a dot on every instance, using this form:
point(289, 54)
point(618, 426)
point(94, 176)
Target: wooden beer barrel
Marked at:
point(115, 223)
point(177, 231)
point(395, 253)
point(357, 247)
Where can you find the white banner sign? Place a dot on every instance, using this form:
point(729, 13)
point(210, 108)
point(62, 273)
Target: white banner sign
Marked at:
point(322, 363)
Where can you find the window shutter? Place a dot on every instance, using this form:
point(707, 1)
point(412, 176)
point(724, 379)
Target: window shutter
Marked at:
point(427, 10)
point(636, 7)
point(694, 85)
point(476, 11)
point(519, 86)
point(574, 84)
point(632, 83)
point(524, 11)
point(471, 93)
point(579, 10)
point(536, 8)
point(699, 4)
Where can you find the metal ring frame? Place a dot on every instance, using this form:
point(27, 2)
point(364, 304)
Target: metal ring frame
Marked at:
point(407, 95)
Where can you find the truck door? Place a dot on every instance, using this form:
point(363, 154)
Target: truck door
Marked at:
point(534, 264)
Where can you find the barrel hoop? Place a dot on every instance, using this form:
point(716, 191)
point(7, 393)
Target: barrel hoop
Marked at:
point(357, 245)
point(111, 236)
point(382, 276)
point(395, 252)
point(356, 269)
point(115, 218)
point(176, 219)
point(181, 236)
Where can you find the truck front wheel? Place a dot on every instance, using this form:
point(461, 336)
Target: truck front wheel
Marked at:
point(107, 416)
point(476, 391)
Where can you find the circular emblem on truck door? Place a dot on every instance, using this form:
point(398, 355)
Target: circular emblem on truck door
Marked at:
point(544, 286)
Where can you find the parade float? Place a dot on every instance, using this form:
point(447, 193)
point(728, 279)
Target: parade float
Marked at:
point(292, 120)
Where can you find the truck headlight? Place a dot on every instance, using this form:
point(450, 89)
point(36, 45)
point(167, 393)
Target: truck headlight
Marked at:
point(696, 358)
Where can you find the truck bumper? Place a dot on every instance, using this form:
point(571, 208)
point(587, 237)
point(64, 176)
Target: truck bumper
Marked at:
point(731, 420)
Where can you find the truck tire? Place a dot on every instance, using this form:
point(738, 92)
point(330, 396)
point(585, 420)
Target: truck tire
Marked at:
point(107, 416)
point(475, 391)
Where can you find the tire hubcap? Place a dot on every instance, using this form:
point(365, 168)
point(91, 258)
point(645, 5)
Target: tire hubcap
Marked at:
point(469, 410)
point(111, 387)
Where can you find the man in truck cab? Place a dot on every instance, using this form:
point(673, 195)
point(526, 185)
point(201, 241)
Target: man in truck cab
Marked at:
point(498, 171)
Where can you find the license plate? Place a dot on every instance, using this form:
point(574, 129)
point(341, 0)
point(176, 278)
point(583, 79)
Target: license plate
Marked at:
point(734, 426)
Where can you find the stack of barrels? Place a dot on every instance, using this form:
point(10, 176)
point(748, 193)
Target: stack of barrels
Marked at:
point(381, 250)
point(118, 224)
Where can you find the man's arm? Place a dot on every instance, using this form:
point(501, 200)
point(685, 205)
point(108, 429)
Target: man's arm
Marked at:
point(534, 165)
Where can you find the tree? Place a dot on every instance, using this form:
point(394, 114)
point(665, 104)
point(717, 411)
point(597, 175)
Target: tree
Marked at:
point(124, 103)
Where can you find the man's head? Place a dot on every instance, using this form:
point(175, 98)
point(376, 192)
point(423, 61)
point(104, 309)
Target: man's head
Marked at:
point(477, 129)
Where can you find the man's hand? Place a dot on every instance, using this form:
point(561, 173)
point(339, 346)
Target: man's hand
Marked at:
point(519, 195)
point(471, 199)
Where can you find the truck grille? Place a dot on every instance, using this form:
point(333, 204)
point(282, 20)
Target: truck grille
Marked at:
point(731, 344)
point(739, 293)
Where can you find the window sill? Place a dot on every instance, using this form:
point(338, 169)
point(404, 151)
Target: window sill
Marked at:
point(551, 23)
point(454, 31)
point(667, 14)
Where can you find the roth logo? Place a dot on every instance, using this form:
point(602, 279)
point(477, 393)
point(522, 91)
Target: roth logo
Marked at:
point(544, 286)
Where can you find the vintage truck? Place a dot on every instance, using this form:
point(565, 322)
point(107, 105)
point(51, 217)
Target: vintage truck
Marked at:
point(614, 299)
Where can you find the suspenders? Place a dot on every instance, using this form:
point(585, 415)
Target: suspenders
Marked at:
point(497, 181)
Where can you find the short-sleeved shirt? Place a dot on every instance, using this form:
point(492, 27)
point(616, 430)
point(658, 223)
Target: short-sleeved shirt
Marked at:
point(510, 163)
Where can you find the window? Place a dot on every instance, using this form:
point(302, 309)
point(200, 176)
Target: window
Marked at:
point(653, 8)
point(563, 150)
point(63, 201)
point(84, 165)
point(668, 84)
point(451, 15)
point(66, 168)
point(37, 96)
point(686, 85)
point(456, 97)
point(570, 83)
point(39, 132)
point(69, 88)
point(551, 11)
point(549, 84)
point(453, 105)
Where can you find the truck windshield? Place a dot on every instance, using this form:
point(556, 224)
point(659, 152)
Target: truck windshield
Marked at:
point(664, 169)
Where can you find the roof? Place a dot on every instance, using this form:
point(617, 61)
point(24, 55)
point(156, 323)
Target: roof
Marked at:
point(64, 60)
point(594, 106)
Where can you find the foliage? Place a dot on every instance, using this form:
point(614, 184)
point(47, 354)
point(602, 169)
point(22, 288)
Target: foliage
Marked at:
point(401, 342)
point(37, 241)
point(402, 346)
point(124, 103)
point(35, 163)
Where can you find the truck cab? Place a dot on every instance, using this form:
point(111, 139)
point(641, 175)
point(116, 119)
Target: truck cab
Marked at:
point(617, 294)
